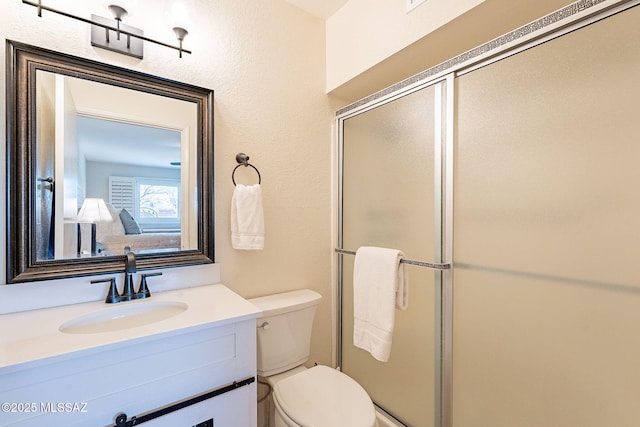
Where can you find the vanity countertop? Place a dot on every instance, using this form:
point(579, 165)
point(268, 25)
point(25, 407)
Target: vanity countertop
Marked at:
point(32, 338)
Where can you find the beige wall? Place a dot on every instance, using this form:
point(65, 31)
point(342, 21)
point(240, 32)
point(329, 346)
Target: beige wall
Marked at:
point(365, 32)
point(265, 61)
point(372, 44)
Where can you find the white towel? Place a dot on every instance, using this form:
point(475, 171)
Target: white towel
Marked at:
point(380, 284)
point(247, 218)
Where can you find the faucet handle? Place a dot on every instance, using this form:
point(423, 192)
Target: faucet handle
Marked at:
point(143, 291)
point(112, 295)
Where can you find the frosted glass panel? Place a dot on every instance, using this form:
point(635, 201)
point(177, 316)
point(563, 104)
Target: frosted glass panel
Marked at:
point(388, 201)
point(547, 233)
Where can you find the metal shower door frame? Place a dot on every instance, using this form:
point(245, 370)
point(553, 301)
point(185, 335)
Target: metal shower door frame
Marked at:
point(443, 227)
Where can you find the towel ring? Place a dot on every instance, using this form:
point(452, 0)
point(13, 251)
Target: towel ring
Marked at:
point(243, 160)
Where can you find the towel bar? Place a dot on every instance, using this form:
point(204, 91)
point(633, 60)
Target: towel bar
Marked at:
point(432, 265)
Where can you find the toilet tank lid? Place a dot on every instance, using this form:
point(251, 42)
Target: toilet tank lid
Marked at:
point(275, 304)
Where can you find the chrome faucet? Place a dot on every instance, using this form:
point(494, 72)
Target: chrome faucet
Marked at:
point(129, 268)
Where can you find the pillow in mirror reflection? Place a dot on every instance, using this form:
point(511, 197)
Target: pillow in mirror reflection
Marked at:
point(110, 228)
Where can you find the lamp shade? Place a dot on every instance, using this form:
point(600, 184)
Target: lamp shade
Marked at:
point(178, 15)
point(93, 210)
point(127, 5)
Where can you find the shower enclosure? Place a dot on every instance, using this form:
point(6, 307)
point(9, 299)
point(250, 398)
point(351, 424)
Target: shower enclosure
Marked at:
point(516, 164)
point(392, 197)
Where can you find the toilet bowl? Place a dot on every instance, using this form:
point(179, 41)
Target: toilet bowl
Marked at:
point(322, 396)
point(318, 396)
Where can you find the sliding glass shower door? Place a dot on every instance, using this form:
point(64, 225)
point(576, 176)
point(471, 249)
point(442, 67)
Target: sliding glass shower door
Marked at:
point(547, 294)
point(391, 198)
point(545, 315)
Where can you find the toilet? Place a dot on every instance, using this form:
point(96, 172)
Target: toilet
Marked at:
point(319, 396)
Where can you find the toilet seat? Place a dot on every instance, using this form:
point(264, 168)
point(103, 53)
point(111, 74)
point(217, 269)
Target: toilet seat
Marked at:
point(322, 396)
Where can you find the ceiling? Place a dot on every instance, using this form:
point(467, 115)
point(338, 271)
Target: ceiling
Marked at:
point(320, 8)
point(110, 141)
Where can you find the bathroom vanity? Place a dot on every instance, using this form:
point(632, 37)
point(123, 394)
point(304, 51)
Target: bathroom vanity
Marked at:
point(190, 351)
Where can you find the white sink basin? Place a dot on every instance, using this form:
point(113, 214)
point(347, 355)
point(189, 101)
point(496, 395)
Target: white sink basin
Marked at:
point(128, 315)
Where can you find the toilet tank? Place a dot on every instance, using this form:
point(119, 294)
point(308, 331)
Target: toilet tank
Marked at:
point(284, 330)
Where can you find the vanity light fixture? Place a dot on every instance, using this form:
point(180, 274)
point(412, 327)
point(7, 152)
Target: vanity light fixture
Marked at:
point(181, 33)
point(102, 31)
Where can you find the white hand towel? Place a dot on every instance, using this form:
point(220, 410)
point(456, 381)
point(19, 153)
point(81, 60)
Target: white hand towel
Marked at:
point(380, 284)
point(247, 218)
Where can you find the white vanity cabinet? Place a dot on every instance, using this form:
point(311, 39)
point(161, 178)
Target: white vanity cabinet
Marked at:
point(167, 364)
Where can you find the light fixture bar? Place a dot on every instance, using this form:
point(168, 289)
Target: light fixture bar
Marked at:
point(42, 7)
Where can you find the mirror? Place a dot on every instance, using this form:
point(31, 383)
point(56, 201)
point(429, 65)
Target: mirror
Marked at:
point(102, 160)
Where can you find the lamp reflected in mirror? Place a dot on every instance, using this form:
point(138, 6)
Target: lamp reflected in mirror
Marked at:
point(92, 211)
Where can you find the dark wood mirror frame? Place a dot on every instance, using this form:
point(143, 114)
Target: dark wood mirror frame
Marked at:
point(22, 63)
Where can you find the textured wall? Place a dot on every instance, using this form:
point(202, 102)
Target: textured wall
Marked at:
point(265, 61)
